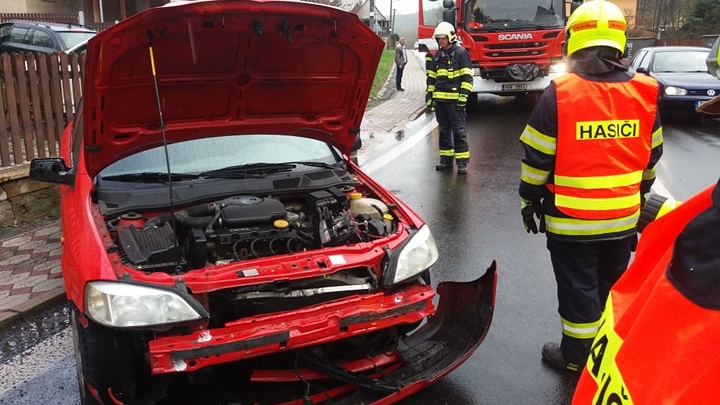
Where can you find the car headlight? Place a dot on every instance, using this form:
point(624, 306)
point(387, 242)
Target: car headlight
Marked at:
point(558, 68)
point(675, 91)
point(130, 305)
point(417, 254)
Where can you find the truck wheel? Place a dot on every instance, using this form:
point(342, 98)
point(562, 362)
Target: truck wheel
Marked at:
point(104, 363)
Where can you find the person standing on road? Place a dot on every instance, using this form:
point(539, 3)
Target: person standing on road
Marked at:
point(400, 62)
point(449, 83)
point(591, 145)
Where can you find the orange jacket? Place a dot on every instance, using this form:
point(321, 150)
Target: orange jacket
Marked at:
point(659, 341)
point(603, 145)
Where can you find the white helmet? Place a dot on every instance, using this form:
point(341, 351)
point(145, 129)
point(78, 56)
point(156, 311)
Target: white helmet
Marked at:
point(445, 29)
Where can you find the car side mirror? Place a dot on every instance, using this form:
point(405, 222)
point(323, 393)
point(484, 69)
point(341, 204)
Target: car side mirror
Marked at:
point(642, 70)
point(51, 170)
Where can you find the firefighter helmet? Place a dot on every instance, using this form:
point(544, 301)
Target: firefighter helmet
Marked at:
point(595, 23)
point(445, 29)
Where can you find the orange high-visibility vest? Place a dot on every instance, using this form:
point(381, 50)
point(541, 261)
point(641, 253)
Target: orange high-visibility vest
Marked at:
point(655, 346)
point(603, 145)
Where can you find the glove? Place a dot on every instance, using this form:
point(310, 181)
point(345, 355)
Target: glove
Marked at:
point(429, 103)
point(461, 103)
point(530, 210)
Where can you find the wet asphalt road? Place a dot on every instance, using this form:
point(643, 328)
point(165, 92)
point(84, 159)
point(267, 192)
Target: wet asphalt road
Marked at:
point(475, 219)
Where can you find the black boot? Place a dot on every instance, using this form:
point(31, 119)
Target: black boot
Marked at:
point(461, 167)
point(552, 354)
point(446, 163)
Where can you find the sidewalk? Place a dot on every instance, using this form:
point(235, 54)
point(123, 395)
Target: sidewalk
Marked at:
point(30, 277)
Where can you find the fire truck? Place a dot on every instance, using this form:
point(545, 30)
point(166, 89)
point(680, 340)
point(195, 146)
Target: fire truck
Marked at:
point(515, 45)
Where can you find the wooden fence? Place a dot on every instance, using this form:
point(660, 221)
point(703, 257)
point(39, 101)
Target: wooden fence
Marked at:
point(38, 95)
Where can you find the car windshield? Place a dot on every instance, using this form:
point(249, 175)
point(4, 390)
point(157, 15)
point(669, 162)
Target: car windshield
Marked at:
point(259, 153)
point(514, 14)
point(72, 38)
point(685, 61)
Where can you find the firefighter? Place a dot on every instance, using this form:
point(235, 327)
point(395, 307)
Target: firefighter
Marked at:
point(449, 83)
point(659, 340)
point(674, 278)
point(591, 145)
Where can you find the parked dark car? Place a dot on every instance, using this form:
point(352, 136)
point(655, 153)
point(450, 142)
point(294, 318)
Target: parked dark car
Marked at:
point(217, 233)
point(683, 76)
point(46, 37)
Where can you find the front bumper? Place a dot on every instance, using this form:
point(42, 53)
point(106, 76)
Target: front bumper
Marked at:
point(446, 340)
point(481, 85)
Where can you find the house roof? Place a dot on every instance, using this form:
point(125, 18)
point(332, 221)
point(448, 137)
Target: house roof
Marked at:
point(362, 9)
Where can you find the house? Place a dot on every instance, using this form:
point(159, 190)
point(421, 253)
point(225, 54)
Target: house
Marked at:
point(375, 20)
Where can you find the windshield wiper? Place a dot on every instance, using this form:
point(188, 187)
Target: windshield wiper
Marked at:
point(314, 164)
point(252, 168)
point(151, 177)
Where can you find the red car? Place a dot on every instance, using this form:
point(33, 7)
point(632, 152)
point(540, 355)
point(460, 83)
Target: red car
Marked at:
point(217, 232)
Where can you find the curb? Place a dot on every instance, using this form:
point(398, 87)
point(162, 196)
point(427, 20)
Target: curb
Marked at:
point(9, 317)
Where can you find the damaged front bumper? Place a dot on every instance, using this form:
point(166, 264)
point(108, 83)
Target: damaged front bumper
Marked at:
point(447, 337)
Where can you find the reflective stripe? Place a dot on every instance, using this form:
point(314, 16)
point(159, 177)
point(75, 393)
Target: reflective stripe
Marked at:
point(432, 73)
point(602, 365)
point(462, 155)
point(442, 95)
point(580, 330)
point(587, 227)
point(648, 174)
point(595, 182)
point(596, 204)
point(657, 138)
point(533, 176)
point(447, 152)
point(538, 141)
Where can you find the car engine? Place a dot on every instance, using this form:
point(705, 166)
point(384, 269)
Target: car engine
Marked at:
point(244, 227)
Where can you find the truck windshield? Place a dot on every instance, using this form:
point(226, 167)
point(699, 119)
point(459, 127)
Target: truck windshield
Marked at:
point(493, 15)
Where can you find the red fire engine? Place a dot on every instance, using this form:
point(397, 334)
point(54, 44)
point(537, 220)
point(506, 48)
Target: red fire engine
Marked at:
point(515, 45)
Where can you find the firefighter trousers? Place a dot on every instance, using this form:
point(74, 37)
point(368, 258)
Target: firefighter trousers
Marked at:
point(453, 141)
point(585, 271)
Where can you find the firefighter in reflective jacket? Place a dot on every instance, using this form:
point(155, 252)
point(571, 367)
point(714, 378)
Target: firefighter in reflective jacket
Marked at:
point(591, 145)
point(449, 82)
point(659, 338)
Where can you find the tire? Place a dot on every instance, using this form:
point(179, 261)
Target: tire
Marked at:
point(104, 363)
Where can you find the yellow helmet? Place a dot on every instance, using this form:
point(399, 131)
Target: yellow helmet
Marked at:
point(445, 29)
point(596, 23)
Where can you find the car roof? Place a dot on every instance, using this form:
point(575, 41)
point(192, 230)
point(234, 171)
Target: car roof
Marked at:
point(675, 48)
point(55, 26)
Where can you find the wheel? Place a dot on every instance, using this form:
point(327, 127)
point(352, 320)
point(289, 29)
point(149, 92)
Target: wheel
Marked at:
point(104, 363)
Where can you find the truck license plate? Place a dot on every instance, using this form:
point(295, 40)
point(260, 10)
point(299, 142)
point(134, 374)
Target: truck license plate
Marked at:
point(514, 87)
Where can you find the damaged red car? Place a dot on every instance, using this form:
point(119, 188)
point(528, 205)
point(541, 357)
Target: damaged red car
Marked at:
point(217, 233)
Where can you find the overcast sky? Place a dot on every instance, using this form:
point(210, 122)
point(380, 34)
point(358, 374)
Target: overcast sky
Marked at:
point(400, 6)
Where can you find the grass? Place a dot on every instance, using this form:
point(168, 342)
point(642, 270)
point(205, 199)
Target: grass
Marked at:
point(384, 68)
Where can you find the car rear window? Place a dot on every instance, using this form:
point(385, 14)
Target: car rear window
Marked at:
point(72, 38)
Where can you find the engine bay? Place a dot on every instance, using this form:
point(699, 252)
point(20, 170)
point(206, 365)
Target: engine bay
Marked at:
point(245, 227)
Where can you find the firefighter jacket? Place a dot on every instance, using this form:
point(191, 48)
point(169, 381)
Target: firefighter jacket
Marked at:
point(590, 158)
point(659, 339)
point(449, 74)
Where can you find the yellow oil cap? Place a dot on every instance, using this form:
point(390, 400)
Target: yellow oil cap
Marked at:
point(281, 224)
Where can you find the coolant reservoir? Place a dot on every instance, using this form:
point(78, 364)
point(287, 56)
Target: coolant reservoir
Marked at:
point(369, 206)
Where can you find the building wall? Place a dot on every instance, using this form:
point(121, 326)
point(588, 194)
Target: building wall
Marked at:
point(13, 6)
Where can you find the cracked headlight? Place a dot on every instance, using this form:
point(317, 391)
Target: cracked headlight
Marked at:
point(129, 305)
point(417, 254)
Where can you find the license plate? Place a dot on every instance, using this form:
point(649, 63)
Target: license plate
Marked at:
point(514, 87)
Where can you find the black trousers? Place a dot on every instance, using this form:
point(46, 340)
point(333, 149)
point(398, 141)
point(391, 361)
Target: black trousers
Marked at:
point(398, 76)
point(585, 272)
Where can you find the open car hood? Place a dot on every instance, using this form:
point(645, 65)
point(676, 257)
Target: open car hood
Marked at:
point(211, 68)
